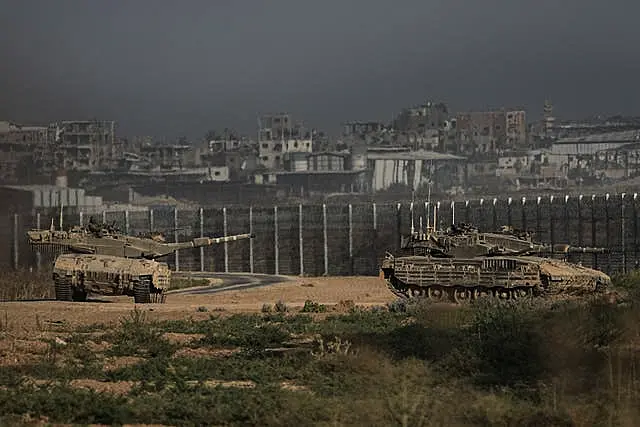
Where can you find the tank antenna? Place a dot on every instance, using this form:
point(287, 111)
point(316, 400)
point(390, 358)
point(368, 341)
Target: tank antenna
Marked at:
point(429, 199)
point(413, 229)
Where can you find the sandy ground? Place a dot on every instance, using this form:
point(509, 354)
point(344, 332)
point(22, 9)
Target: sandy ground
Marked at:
point(18, 318)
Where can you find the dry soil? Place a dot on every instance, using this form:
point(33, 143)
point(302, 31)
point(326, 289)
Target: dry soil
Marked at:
point(40, 317)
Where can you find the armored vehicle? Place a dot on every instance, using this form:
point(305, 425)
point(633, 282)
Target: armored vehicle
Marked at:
point(462, 264)
point(99, 259)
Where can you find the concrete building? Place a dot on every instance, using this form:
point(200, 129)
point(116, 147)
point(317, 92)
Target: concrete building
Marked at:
point(414, 169)
point(85, 145)
point(577, 152)
point(23, 152)
point(516, 128)
point(359, 129)
point(166, 156)
point(279, 135)
point(297, 162)
point(419, 118)
point(513, 163)
point(482, 132)
point(25, 198)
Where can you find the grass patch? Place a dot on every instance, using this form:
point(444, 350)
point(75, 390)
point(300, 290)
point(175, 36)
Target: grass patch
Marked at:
point(490, 363)
point(16, 285)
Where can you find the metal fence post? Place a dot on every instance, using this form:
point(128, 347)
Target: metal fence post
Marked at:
point(375, 218)
point(201, 215)
point(15, 241)
point(350, 239)
point(495, 214)
point(151, 220)
point(374, 243)
point(593, 228)
point(104, 217)
point(251, 240)
point(275, 240)
point(552, 229)
point(580, 227)
point(326, 239)
point(635, 230)
point(399, 226)
point(453, 212)
point(538, 215)
point(509, 213)
point(467, 213)
point(300, 239)
point(607, 233)
point(126, 221)
point(226, 245)
point(524, 214)
point(175, 236)
point(38, 254)
point(81, 218)
point(567, 232)
point(623, 231)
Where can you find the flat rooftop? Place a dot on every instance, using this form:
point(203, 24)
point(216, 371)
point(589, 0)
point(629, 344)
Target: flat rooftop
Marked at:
point(623, 136)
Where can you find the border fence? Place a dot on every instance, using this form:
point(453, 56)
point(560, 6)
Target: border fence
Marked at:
point(339, 240)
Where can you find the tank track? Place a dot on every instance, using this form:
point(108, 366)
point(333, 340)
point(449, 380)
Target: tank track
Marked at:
point(65, 291)
point(457, 294)
point(145, 293)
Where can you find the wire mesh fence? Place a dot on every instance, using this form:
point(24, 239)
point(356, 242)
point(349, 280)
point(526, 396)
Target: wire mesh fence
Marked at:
point(339, 240)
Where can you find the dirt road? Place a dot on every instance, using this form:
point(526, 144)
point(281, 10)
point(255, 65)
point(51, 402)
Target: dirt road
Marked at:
point(42, 316)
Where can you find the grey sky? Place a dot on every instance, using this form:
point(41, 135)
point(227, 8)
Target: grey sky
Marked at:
point(173, 68)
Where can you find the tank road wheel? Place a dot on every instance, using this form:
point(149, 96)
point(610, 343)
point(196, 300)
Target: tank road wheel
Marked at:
point(482, 293)
point(63, 290)
point(435, 293)
point(415, 293)
point(502, 293)
point(142, 292)
point(520, 293)
point(461, 295)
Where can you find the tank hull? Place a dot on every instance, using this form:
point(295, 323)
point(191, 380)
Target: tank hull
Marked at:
point(505, 277)
point(76, 275)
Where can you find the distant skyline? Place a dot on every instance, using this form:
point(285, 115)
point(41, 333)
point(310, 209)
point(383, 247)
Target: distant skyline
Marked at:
point(165, 68)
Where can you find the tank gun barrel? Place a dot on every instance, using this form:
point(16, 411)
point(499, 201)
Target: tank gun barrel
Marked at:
point(199, 242)
point(564, 249)
point(586, 250)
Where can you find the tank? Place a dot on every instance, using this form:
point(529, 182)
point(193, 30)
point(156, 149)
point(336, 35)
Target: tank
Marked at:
point(462, 263)
point(98, 258)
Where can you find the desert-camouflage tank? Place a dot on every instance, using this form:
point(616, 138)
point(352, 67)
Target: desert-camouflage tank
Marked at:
point(97, 258)
point(461, 264)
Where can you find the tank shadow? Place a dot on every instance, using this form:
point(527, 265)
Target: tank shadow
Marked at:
point(95, 300)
